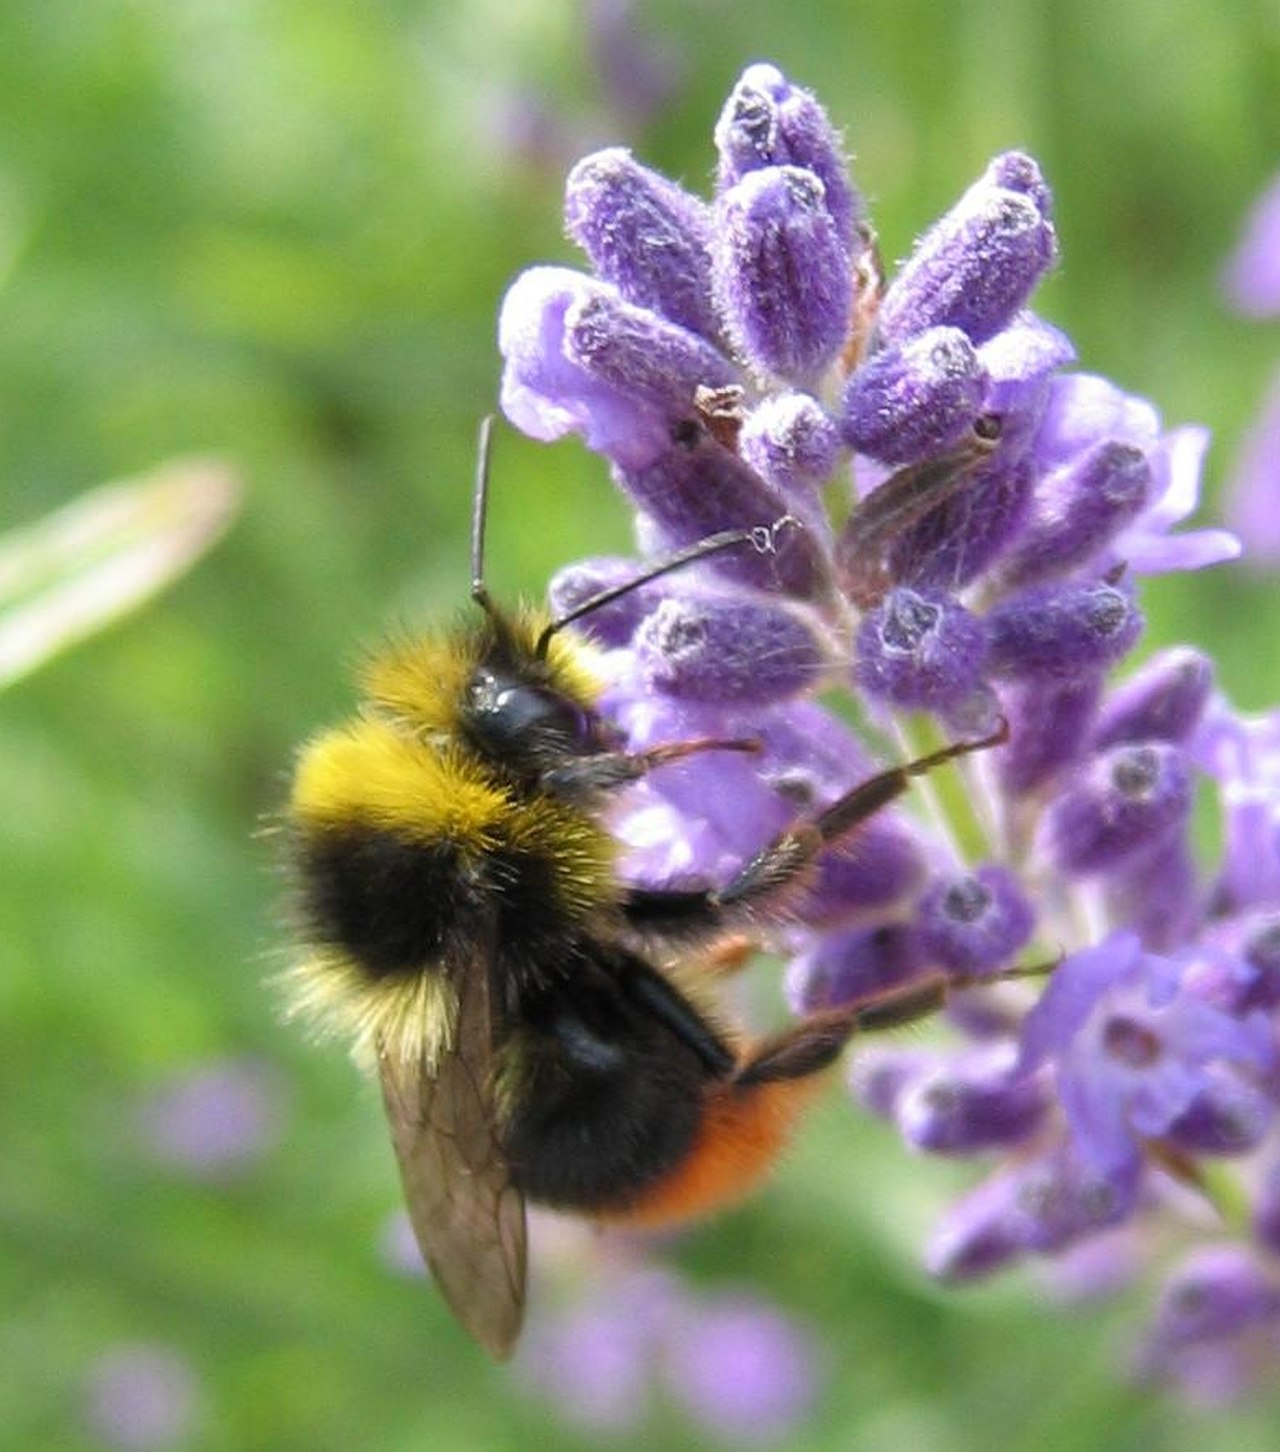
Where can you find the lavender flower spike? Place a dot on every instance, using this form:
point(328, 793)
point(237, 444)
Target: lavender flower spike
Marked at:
point(733, 362)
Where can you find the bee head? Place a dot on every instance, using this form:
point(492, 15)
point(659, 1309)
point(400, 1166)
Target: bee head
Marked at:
point(525, 709)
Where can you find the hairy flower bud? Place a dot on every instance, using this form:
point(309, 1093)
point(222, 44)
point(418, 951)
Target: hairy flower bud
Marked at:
point(767, 121)
point(705, 648)
point(1131, 799)
point(974, 923)
point(646, 235)
point(920, 649)
point(977, 266)
point(1062, 631)
point(916, 399)
point(782, 274)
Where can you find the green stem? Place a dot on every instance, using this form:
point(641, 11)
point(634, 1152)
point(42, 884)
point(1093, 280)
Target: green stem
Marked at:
point(947, 790)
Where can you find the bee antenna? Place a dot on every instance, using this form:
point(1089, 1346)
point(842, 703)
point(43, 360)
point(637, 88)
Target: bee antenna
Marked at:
point(762, 538)
point(479, 508)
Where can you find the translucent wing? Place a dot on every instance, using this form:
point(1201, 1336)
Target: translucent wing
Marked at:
point(466, 1214)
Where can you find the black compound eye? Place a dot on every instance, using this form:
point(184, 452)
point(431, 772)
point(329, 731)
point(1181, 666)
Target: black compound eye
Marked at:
point(510, 712)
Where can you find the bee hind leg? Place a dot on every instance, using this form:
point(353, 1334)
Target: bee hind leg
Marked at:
point(816, 1041)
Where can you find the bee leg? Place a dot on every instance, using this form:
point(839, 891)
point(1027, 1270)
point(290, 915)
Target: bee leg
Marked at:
point(586, 775)
point(816, 1041)
point(782, 861)
point(685, 911)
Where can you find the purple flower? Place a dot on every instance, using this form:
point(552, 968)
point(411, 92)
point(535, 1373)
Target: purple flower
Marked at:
point(1252, 275)
point(958, 532)
point(735, 1365)
point(1134, 1051)
point(216, 1120)
point(1253, 494)
point(915, 400)
point(1217, 1327)
point(139, 1396)
point(743, 1371)
point(976, 267)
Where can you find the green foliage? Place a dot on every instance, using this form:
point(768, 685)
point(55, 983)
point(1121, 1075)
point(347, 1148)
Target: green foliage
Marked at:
point(279, 232)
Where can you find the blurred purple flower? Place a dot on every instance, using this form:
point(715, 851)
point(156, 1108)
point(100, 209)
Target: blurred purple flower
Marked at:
point(213, 1121)
point(735, 1365)
point(1252, 274)
point(141, 1396)
point(1252, 500)
point(742, 1371)
point(1217, 1328)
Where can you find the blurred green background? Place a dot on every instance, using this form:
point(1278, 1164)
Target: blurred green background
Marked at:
point(279, 230)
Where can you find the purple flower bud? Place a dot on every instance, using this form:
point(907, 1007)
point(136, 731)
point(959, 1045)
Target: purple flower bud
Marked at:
point(1131, 800)
point(1252, 496)
point(1158, 895)
point(638, 73)
point(1045, 1206)
point(216, 1120)
point(1227, 1117)
point(914, 400)
point(856, 963)
point(1049, 724)
point(879, 1077)
point(595, 1358)
point(1019, 172)
point(975, 267)
point(728, 649)
point(694, 490)
point(1162, 702)
point(791, 442)
point(769, 122)
point(920, 649)
point(969, 1106)
point(1062, 1199)
point(1060, 631)
point(1216, 1292)
point(810, 759)
point(895, 512)
point(1077, 510)
point(974, 923)
point(954, 543)
point(1261, 952)
point(646, 235)
point(1252, 277)
point(615, 623)
point(782, 275)
point(658, 363)
point(871, 868)
point(977, 1236)
point(1266, 1211)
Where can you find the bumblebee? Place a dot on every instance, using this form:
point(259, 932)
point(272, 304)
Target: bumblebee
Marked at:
point(467, 927)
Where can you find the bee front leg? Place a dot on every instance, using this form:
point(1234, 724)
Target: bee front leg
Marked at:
point(785, 858)
point(684, 912)
point(585, 776)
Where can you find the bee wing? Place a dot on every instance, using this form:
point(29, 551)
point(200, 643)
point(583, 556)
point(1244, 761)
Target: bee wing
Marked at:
point(467, 1215)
